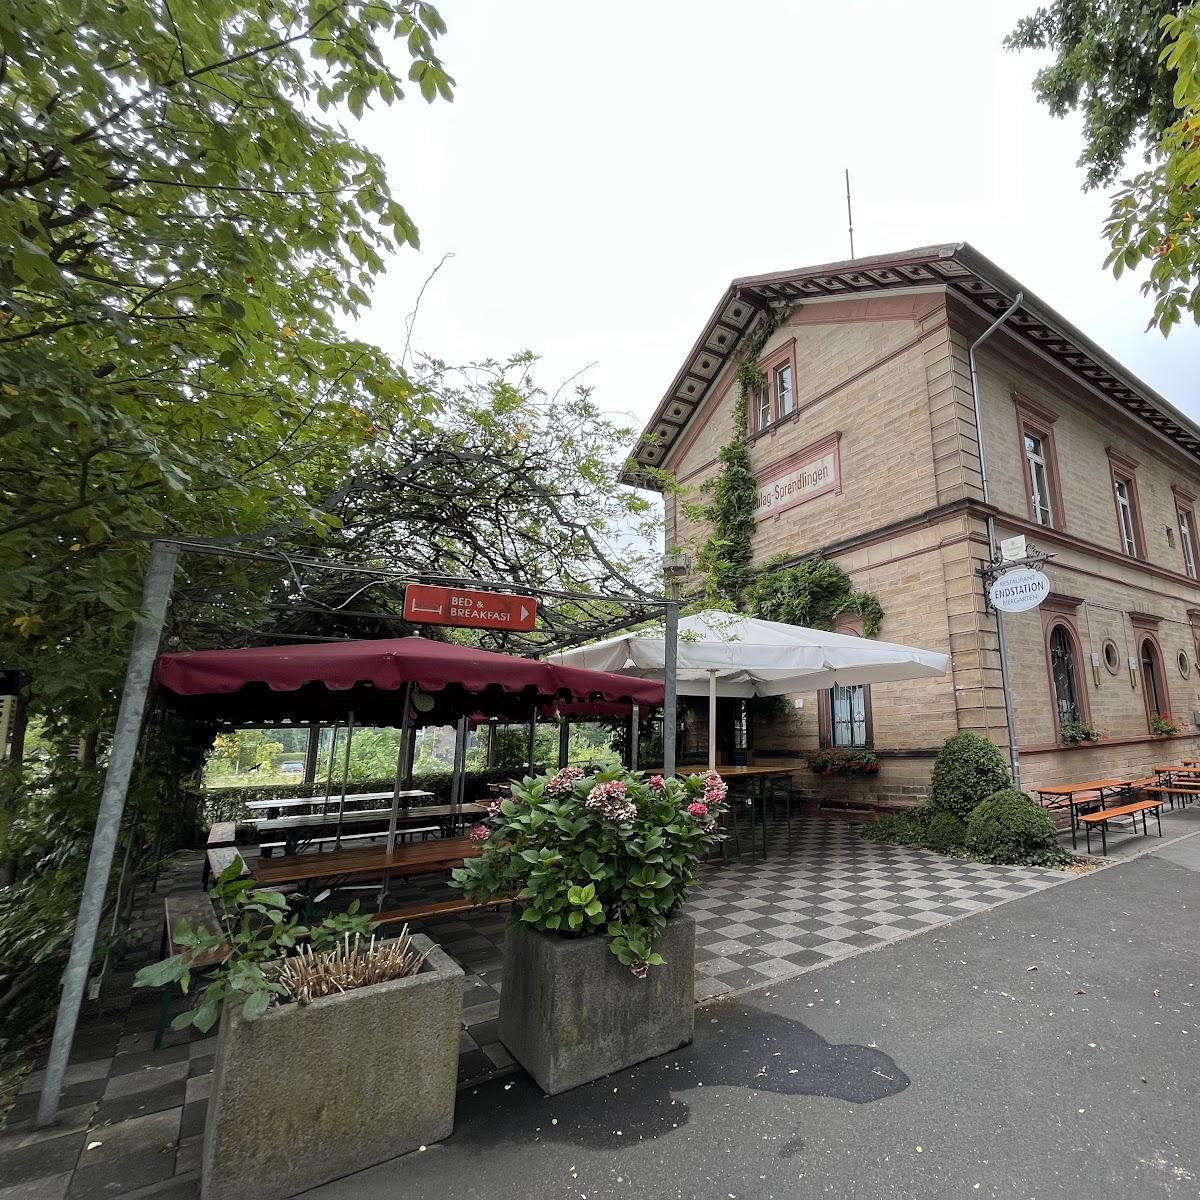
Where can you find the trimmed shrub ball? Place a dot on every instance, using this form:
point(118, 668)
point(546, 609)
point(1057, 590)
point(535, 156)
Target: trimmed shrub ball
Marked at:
point(1009, 827)
point(968, 769)
point(946, 833)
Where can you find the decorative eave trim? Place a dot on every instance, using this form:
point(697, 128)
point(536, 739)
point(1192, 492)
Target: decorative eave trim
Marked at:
point(960, 270)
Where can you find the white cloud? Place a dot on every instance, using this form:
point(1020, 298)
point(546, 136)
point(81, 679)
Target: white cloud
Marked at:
point(606, 169)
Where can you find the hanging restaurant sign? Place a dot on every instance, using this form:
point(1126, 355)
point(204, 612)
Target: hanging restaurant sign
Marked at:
point(425, 604)
point(1019, 590)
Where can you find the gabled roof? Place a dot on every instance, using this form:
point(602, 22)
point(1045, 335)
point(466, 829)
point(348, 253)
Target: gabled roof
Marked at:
point(959, 268)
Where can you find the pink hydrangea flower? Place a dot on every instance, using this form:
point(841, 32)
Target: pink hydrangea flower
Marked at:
point(479, 833)
point(609, 800)
point(657, 782)
point(715, 789)
point(564, 781)
point(698, 809)
point(639, 970)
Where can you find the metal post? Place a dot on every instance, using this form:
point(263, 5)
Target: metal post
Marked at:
point(1014, 754)
point(564, 742)
point(329, 776)
point(459, 780)
point(712, 720)
point(532, 740)
point(400, 757)
point(635, 726)
point(337, 845)
point(310, 754)
point(156, 596)
point(671, 695)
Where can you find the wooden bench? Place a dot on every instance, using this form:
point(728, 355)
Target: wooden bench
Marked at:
point(218, 860)
point(1171, 791)
point(331, 839)
point(1104, 815)
point(223, 833)
point(197, 910)
point(414, 912)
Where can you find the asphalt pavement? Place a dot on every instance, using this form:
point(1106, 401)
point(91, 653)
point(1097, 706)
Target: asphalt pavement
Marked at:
point(1047, 1048)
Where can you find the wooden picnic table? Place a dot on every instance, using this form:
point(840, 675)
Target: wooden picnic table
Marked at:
point(295, 828)
point(759, 774)
point(1053, 797)
point(413, 858)
point(282, 803)
point(1176, 769)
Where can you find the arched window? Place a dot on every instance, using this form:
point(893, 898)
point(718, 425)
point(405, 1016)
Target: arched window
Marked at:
point(1152, 680)
point(1062, 672)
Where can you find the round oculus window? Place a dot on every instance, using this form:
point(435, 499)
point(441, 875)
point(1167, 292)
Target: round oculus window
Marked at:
point(1112, 656)
point(1185, 667)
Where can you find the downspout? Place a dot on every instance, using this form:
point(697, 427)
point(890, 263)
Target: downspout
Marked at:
point(1014, 755)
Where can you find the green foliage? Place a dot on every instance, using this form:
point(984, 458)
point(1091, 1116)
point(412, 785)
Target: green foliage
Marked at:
point(728, 551)
point(1008, 827)
point(814, 593)
point(1107, 67)
point(838, 761)
point(901, 829)
point(968, 769)
point(947, 833)
point(1162, 726)
point(258, 929)
point(1075, 732)
point(605, 853)
point(1154, 216)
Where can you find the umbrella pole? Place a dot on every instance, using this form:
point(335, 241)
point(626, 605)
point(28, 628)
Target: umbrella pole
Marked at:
point(457, 784)
point(329, 776)
point(400, 757)
point(532, 740)
point(337, 845)
point(712, 720)
point(634, 728)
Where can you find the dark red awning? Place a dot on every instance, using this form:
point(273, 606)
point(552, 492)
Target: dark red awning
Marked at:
point(326, 681)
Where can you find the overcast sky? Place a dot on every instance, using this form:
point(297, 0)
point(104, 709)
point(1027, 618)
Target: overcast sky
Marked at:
point(606, 169)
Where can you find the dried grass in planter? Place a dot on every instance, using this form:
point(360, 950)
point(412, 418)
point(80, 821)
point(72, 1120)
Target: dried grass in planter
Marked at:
point(352, 963)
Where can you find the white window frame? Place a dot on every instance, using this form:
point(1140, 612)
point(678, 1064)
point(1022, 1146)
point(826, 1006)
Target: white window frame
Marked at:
point(848, 717)
point(1185, 538)
point(763, 418)
point(1121, 487)
point(785, 390)
point(1039, 479)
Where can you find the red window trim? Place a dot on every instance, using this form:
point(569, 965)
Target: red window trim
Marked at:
point(1060, 611)
point(1121, 466)
point(1185, 502)
point(1039, 422)
point(785, 353)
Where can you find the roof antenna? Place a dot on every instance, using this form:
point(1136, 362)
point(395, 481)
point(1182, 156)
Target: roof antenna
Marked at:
point(849, 214)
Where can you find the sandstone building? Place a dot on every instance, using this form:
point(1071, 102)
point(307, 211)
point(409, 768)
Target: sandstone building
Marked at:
point(865, 449)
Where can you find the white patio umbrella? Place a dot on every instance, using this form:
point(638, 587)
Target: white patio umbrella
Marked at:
point(724, 654)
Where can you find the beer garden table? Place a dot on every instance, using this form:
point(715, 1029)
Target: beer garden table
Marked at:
point(1093, 789)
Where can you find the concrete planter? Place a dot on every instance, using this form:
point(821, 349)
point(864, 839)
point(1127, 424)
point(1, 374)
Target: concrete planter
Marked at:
point(570, 1013)
point(308, 1093)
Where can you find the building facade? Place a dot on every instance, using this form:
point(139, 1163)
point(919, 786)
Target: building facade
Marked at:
point(866, 450)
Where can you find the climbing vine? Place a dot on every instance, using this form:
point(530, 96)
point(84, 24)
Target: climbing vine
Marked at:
point(726, 554)
point(814, 593)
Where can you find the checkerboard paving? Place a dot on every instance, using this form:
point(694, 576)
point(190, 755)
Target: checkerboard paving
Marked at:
point(132, 1117)
point(836, 895)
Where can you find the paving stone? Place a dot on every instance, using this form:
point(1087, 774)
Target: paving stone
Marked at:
point(145, 1079)
point(47, 1187)
point(22, 1162)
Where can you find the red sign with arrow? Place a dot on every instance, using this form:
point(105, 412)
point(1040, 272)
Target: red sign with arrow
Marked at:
point(425, 604)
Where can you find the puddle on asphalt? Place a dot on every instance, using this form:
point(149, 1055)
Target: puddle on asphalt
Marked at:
point(747, 1048)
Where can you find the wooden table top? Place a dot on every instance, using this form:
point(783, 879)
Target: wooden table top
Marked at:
point(335, 799)
point(1176, 769)
point(368, 860)
point(363, 816)
point(1092, 785)
point(726, 772)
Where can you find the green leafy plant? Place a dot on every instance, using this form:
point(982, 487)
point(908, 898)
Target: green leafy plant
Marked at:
point(1008, 827)
point(814, 593)
point(947, 833)
point(900, 829)
point(968, 769)
point(1162, 726)
point(839, 761)
point(609, 853)
point(1075, 732)
point(257, 931)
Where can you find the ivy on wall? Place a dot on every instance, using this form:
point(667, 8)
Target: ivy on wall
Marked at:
point(814, 593)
